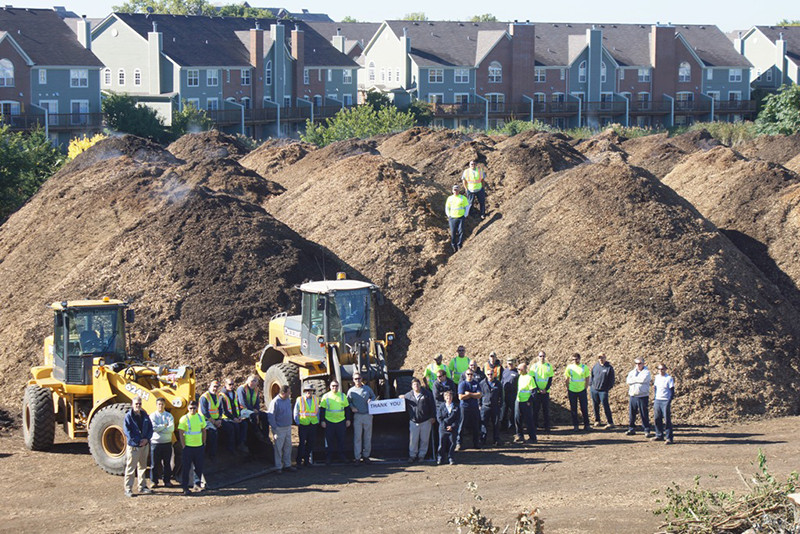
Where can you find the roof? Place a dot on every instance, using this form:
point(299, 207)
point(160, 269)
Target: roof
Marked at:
point(791, 34)
point(361, 32)
point(45, 38)
point(196, 40)
point(334, 285)
point(712, 46)
point(448, 44)
point(303, 15)
point(105, 301)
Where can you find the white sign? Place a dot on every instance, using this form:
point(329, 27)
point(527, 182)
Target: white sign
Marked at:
point(387, 406)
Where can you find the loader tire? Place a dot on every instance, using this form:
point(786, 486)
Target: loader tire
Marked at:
point(107, 441)
point(319, 385)
point(282, 374)
point(38, 418)
point(402, 385)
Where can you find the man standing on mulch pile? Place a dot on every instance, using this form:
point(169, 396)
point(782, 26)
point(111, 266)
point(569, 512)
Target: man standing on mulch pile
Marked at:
point(473, 180)
point(456, 209)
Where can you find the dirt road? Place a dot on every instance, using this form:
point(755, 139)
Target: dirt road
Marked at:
point(598, 482)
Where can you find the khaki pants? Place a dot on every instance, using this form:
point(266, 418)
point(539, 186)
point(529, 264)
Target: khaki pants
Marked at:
point(419, 434)
point(283, 446)
point(362, 435)
point(136, 464)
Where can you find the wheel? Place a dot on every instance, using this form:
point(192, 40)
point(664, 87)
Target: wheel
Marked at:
point(319, 385)
point(402, 385)
point(38, 418)
point(107, 441)
point(282, 374)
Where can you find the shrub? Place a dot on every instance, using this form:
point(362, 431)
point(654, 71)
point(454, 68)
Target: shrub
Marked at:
point(81, 144)
point(125, 115)
point(781, 112)
point(358, 122)
point(189, 120)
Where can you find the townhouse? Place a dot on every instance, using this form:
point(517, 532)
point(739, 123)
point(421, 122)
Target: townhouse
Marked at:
point(774, 52)
point(261, 77)
point(51, 82)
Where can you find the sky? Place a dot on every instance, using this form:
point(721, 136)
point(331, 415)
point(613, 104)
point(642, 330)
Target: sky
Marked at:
point(727, 15)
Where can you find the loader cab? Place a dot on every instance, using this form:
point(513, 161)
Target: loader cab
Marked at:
point(83, 331)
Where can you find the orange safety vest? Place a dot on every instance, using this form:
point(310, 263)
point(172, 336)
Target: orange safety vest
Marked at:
point(213, 408)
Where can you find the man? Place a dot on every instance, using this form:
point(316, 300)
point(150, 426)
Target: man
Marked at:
point(469, 393)
point(473, 181)
point(448, 415)
point(476, 371)
point(491, 402)
point(250, 406)
point(280, 420)
point(576, 377)
point(542, 380)
point(421, 413)
point(664, 386)
point(192, 435)
point(211, 410)
point(306, 415)
point(334, 412)
point(441, 385)
point(456, 208)
point(161, 444)
point(509, 383)
point(493, 367)
point(638, 381)
point(138, 431)
point(602, 380)
point(232, 412)
point(523, 413)
point(432, 371)
point(359, 397)
point(459, 364)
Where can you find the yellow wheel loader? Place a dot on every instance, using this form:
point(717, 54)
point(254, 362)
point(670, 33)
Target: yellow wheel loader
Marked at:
point(88, 379)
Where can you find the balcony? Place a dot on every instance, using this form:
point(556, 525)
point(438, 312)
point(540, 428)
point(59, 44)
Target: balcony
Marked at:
point(56, 122)
point(735, 106)
point(650, 107)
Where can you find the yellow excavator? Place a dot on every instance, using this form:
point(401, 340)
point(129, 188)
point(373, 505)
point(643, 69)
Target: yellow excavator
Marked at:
point(88, 379)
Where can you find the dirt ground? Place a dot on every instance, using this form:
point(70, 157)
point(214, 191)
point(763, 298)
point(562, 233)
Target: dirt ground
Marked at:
point(597, 482)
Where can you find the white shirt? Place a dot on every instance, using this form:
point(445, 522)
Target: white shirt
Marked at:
point(639, 382)
point(663, 386)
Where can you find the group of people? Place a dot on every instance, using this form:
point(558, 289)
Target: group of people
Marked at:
point(458, 206)
point(451, 402)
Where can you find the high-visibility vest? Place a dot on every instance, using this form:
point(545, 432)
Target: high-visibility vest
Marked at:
point(334, 404)
point(192, 432)
point(432, 372)
point(458, 365)
point(493, 373)
point(474, 179)
point(577, 375)
point(213, 407)
point(232, 406)
point(456, 206)
point(524, 388)
point(541, 372)
point(308, 411)
point(252, 396)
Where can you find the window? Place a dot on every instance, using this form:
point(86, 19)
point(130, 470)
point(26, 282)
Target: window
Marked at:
point(268, 73)
point(735, 75)
point(539, 102)
point(193, 78)
point(644, 75)
point(461, 76)
point(557, 97)
point(52, 109)
point(6, 73)
point(42, 76)
point(579, 95)
point(643, 101)
point(435, 75)
point(461, 98)
point(397, 74)
point(497, 101)
point(212, 77)
point(371, 71)
point(606, 100)
point(194, 102)
point(684, 100)
point(121, 77)
point(246, 101)
point(768, 75)
point(709, 74)
point(287, 101)
point(330, 75)
point(602, 72)
point(212, 104)
point(563, 74)
point(9, 107)
point(539, 75)
point(347, 100)
point(107, 77)
point(317, 101)
point(435, 98)
point(306, 79)
point(228, 75)
point(734, 96)
point(79, 77)
point(137, 77)
point(389, 75)
point(245, 76)
point(714, 95)
point(582, 72)
point(685, 72)
point(495, 72)
point(79, 110)
point(347, 76)
point(621, 74)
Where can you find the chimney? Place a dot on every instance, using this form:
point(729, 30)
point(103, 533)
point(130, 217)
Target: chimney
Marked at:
point(663, 60)
point(278, 63)
point(594, 38)
point(298, 53)
point(338, 40)
point(257, 61)
point(523, 59)
point(155, 45)
point(85, 33)
point(780, 60)
point(405, 61)
point(738, 43)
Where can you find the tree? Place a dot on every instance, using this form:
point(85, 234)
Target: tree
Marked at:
point(358, 122)
point(190, 120)
point(241, 10)
point(377, 100)
point(781, 112)
point(27, 160)
point(348, 18)
point(418, 15)
point(422, 112)
point(191, 7)
point(787, 22)
point(486, 17)
point(124, 115)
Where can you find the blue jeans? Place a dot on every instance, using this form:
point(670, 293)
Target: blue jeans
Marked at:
point(192, 456)
point(481, 195)
point(541, 401)
point(638, 405)
point(470, 420)
point(334, 440)
point(456, 232)
point(662, 409)
point(524, 417)
point(598, 398)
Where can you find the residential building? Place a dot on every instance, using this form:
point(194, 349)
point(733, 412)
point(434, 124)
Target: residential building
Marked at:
point(774, 52)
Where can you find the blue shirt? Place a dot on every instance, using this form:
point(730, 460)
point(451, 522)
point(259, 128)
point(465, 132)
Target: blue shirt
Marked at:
point(280, 412)
point(359, 398)
point(469, 387)
point(137, 427)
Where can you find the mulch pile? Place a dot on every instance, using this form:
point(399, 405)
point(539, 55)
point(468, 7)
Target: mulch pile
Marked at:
point(208, 145)
point(660, 153)
point(775, 148)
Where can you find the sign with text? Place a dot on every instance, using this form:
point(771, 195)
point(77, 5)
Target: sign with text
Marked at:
point(387, 406)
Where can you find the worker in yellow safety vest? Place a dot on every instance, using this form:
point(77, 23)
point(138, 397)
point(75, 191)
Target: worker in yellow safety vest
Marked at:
point(334, 412)
point(543, 378)
point(432, 371)
point(192, 433)
point(232, 412)
point(306, 416)
point(456, 210)
point(459, 364)
point(473, 179)
point(576, 377)
point(217, 427)
point(524, 412)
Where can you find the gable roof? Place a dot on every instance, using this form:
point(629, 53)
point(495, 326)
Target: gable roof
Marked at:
point(354, 32)
point(45, 38)
point(712, 46)
point(195, 40)
point(23, 55)
point(447, 44)
point(791, 34)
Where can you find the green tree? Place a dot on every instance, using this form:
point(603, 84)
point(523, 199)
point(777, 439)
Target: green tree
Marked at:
point(781, 112)
point(241, 10)
point(348, 18)
point(190, 120)
point(422, 112)
point(27, 160)
point(124, 115)
point(486, 17)
point(377, 100)
point(191, 7)
point(357, 122)
point(787, 22)
point(417, 15)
